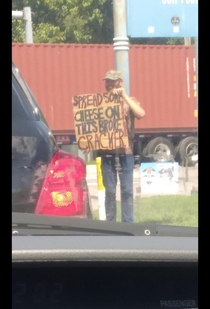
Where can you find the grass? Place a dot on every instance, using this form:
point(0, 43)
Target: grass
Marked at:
point(178, 210)
point(91, 162)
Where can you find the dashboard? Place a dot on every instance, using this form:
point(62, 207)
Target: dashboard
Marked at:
point(104, 272)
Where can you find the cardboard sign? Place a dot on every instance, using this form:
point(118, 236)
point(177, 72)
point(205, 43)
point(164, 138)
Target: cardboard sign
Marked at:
point(99, 121)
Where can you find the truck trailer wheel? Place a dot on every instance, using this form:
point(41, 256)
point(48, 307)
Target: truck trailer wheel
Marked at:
point(144, 152)
point(160, 149)
point(188, 151)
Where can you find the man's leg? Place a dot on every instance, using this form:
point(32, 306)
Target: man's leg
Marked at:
point(126, 186)
point(110, 181)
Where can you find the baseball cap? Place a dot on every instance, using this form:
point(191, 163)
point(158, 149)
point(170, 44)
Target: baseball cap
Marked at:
point(114, 75)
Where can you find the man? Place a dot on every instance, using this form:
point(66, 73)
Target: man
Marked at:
point(114, 83)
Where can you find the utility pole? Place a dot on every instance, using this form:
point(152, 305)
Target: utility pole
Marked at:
point(187, 41)
point(121, 41)
point(26, 16)
point(28, 24)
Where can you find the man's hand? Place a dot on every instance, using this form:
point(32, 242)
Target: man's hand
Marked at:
point(136, 108)
point(119, 91)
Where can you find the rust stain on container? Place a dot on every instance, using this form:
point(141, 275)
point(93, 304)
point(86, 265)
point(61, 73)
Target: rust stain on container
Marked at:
point(159, 79)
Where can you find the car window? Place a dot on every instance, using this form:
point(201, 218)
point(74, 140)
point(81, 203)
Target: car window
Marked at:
point(20, 107)
point(24, 87)
point(113, 106)
point(27, 92)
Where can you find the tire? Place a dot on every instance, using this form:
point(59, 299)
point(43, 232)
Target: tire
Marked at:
point(144, 153)
point(188, 151)
point(177, 154)
point(160, 149)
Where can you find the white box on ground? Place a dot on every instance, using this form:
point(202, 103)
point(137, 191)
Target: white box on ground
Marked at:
point(159, 178)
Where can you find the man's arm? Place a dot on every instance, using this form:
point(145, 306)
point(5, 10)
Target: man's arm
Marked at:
point(137, 110)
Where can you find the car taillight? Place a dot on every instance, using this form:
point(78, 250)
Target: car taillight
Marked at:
point(64, 190)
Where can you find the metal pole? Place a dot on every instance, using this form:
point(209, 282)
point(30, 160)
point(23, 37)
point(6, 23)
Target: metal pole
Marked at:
point(26, 16)
point(101, 191)
point(17, 14)
point(28, 24)
point(187, 41)
point(121, 41)
point(121, 49)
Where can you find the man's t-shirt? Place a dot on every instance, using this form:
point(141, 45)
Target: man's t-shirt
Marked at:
point(130, 123)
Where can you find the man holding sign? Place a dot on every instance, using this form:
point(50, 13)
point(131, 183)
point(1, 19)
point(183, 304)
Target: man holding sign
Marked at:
point(122, 155)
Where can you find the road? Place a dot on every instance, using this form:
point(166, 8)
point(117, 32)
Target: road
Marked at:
point(187, 183)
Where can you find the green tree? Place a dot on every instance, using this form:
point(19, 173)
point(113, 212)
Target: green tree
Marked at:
point(73, 21)
point(66, 21)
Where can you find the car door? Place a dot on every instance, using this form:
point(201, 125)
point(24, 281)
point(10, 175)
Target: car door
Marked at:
point(32, 147)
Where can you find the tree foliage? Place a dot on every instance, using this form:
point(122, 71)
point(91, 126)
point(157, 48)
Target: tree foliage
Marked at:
point(66, 21)
point(72, 21)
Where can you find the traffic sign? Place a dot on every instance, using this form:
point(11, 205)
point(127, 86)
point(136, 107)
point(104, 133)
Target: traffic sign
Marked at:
point(162, 18)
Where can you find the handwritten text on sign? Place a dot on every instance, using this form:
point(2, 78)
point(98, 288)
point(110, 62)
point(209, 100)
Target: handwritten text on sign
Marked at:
point(99, 121)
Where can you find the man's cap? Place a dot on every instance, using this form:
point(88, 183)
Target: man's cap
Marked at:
point(114, 75)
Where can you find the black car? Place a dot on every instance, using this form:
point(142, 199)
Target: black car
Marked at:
point(45, 179)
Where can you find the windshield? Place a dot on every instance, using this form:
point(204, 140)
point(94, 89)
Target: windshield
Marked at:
point(105, 117)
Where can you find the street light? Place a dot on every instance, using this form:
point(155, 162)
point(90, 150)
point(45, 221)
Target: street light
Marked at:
point(26, 16)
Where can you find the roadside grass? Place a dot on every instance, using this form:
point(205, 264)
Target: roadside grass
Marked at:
point(180, 210)
point(90, 162)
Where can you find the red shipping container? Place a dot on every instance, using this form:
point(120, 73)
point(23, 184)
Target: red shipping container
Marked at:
point(162, 78)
